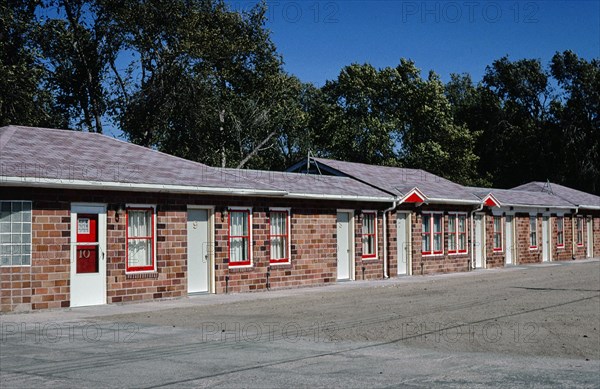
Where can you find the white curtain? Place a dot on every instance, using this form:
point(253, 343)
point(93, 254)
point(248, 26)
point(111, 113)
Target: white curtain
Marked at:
point(368, 231)
point(462, 229)
point(452, 233)
point(140, 250)
point(426, 234)
point(437, 229)
point(278, 235)
point(238, 230)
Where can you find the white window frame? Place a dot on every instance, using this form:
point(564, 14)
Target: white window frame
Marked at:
point(155, 238)
point(289, 237)
point(250, 242)
point(10, 233)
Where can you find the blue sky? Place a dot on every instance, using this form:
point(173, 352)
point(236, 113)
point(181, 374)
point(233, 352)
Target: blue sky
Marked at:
point(318, 38)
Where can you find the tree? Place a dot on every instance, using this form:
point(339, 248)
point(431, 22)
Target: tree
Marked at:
point(209, 82)
point(393, 117)
point(518, 140)
point(578, 118)
point(77, 47)
point(24, 99)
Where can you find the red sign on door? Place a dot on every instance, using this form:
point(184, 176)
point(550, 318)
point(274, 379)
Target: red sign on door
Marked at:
point(87, 232)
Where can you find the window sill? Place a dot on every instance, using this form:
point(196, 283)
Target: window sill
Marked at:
point(240, 268)
point(453, 253)
point(370, 259)
point(279, 264)
point(141, 275)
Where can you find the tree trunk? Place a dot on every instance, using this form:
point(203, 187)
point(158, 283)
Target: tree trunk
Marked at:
point(255, 151)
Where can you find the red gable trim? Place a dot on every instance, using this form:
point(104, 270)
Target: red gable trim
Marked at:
point(414, 196)
point(491, 201)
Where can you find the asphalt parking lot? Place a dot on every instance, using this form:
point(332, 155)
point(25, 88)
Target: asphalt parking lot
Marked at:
point(533, 326)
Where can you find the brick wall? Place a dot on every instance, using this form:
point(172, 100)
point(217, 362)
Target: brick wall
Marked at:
point(524, 253)
point(45, 284)
point(494, 258)
point(443, 263)
point(169, 280)
point(596, 225)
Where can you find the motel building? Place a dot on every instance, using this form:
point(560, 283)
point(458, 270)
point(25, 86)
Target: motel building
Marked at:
point(86, 219)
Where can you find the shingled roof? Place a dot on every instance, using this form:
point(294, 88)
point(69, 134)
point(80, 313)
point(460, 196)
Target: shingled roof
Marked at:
point(297, 184)
point(61, 158)
point(521, 198)
point(574, 196)
point(399, 181)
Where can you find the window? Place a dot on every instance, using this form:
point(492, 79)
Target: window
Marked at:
point(279, 236)
point(239, 238)
point(369, 235)
point(497, 233)
point(15, 233)
point(457, 233)
point(579, 231)
point(532, 232)
point(140, 239)
point(560, 231)
point(432, 234)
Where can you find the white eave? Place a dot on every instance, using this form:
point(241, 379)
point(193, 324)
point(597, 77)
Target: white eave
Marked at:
point(453, 201)
point(122, 186)
point(340, 197)
point(158, 188)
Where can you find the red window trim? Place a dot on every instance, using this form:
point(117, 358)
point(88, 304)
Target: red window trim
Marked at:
point(432, 234)
point(229, 236)
point(579, 218)
point(494, 233)
point(286, 235)
point(562, 230)
point(457, 233)
point(151, 237)
point(374, 234)
point(534, 247)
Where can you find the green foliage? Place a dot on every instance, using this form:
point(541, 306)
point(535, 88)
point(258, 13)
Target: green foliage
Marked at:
point(24, 99)
point(196, 79)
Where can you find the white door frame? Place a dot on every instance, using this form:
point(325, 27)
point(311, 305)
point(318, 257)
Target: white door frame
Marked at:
point(88, 282)
point(509, 240)
point(408, 248)
point(351, 242)
point(590, 237)
point(211, 243)
point(481, 248)
point(546, 237)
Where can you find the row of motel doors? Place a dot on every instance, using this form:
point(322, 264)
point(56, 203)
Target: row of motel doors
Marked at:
point(510, 246)
point(88, 253)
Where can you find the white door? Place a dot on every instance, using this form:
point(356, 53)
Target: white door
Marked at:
point(545, 239)
point(199, 251)
point(509, 240)
point(590, 238)
point(479, 242)
point(402, 222)
point(88, 255)
point(343, 246)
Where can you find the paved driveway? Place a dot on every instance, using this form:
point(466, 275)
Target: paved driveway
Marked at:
point(535, 326)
